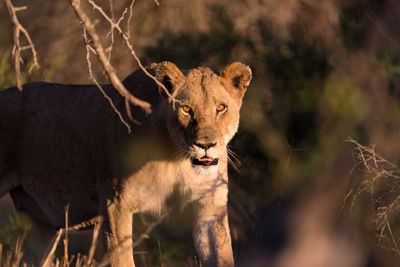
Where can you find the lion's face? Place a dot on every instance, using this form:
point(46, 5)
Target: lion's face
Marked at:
point(205, 115)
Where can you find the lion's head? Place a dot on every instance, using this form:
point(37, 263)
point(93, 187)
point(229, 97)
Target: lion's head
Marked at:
point(205, 115)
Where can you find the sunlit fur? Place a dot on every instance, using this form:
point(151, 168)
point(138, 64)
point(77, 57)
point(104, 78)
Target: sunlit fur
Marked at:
point(203, 91)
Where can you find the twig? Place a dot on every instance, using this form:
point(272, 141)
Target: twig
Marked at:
point(87, 224)
point(368, 153)
point(112, 26)
point(111, 4)
point(89, 48)
point(53, 248)
point(18, 28)
point(391, 235)
point(128, 23)
point(130, 47)
point(66, 262)
point(111, 73)
point(95, 236)
point(123, 247)
point(18, 251)
point(378, 171)
point(149, 229)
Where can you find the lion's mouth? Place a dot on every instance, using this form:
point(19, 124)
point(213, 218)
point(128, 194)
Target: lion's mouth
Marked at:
point(205, 161)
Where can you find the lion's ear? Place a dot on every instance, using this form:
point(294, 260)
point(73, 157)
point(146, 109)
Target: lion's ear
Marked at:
point(238, 75)
point(168, 74)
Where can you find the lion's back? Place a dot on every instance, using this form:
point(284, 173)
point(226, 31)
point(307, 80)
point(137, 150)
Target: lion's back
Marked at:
point(10, 116)
point(52, 136)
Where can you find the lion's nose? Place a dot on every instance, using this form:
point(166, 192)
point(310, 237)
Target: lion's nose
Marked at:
point(205, 146)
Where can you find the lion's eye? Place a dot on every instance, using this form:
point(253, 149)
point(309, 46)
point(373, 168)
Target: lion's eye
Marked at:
point(186, 109)
point(221, 107)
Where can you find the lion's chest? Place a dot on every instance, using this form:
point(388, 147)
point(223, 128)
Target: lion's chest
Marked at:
point(148, 189)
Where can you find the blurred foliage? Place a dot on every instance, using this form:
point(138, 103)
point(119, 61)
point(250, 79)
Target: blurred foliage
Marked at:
point(7, 72)
point(13, 227)
point(191, 50)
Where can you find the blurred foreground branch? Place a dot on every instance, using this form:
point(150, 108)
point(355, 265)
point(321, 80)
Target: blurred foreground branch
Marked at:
point(18, 48)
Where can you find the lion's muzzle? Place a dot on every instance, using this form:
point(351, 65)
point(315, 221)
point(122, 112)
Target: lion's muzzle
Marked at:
point(204, 155)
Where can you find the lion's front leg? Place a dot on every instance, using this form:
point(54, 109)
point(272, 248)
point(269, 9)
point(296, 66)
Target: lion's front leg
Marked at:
point(211, 232)
point(213, 241)
point(118, 234)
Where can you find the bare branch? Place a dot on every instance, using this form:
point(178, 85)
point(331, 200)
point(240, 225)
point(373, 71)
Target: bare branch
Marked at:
point(18, 28)
point(66, 236)
point(129, 46)
point(111, 33)
point(149, 229)
point(377, 174)
point(103, 58)
point(128, 23)
point(89, 49)
point(53, 248)
point(95, 236)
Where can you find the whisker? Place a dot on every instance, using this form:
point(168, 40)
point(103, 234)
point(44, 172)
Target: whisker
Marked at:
point(233, 164)
point(233, 155)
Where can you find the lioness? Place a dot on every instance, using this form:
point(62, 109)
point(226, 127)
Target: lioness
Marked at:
point(63, 144)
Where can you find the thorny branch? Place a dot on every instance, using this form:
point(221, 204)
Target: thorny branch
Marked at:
point(101, 54)
point(18, 48)
point(373, 162)
point(377, 172)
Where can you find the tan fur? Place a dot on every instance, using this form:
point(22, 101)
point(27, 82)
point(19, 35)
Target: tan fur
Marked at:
point(63, 144)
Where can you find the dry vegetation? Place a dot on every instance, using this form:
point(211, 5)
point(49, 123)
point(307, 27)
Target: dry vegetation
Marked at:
point(380, 181)
point(18, 48)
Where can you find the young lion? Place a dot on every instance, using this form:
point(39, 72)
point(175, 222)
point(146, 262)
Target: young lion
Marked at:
point(63, 144)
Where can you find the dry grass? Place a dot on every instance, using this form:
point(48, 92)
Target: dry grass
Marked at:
point(11, 258)
point(380, 183)
point(14, 257)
